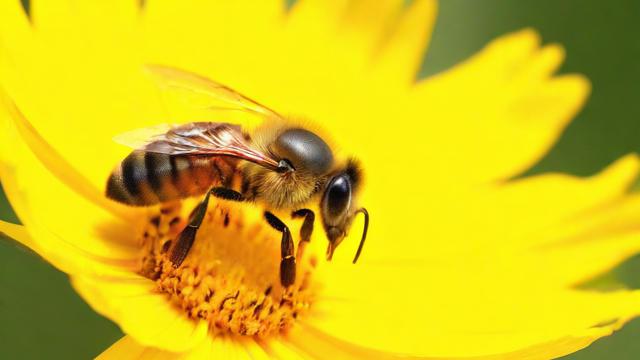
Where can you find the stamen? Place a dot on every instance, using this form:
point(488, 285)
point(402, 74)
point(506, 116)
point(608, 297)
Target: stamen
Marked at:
point(231, 275)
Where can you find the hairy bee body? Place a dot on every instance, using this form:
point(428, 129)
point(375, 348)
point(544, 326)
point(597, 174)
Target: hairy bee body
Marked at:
point(281, 164)
point(288, 190)
point(146, 178)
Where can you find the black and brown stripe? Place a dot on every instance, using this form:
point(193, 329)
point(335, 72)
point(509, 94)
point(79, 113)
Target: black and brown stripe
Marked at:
point(146, 178)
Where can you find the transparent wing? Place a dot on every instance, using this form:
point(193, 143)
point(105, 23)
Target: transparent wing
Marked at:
point(198, 138)
point(139, 138)
point(197, 91)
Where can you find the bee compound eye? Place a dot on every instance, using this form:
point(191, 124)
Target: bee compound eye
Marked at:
point(338, 196)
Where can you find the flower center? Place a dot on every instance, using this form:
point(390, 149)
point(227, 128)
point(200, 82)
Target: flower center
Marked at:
point(230, 277)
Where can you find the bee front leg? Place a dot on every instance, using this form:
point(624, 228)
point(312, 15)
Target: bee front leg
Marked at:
point(288, 260)
point(306, 230)
point(227, 194)
point(187, 236)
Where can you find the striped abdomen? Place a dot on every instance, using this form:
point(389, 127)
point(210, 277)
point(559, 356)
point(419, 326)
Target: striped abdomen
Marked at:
point(145, 178)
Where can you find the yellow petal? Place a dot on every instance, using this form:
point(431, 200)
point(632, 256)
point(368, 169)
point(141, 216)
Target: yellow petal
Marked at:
point(513, 110)
point(590, 244)
point(255, 351)
point(18, 233)
point(81, 77)
point(513, 285)
point(315, 341)
point(93, 239)
point(425, 310)
point(518, 220)
point(219, 348)
point(319, 345)
point(15, 29)
point(128, 348)
point(369, 23)
point(149, 317)
point(218, 39)
point(52, 160)
point(280, 349)
point(62, 18)
point(482, 220)
point(404, 49)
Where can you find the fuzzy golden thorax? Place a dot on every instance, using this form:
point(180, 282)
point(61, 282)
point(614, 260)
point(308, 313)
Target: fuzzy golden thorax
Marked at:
point(293, 189)
point(280, 190)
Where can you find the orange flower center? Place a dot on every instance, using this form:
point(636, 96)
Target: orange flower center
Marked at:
point(231, 275)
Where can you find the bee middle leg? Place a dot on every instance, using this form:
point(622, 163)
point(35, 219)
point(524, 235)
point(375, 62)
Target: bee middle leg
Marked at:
point(288, 260)
point(187, 236)
point(306, 230)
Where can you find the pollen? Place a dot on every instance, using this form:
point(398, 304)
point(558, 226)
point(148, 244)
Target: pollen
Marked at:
point(231, 276)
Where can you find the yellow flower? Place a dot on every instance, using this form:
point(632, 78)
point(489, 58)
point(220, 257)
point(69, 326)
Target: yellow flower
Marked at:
point(462, 260)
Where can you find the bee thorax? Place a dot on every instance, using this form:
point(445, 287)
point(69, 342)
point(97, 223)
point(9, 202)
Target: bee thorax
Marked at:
point(279, 191)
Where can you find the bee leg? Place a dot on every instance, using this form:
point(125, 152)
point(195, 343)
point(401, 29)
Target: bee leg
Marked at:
point(226, 194)
point(188, 235)
point(288, 260)
point(306, 230)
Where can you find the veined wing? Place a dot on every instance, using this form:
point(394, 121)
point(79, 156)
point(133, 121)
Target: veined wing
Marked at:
point(139, 138)
point(198, 138)
point(211, 94)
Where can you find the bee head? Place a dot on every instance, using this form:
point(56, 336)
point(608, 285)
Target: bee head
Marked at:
point(338, 207)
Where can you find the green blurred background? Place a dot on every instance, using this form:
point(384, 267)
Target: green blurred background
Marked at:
point(42, 317)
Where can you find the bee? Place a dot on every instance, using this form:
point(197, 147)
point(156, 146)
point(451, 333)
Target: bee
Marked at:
point(280, 165)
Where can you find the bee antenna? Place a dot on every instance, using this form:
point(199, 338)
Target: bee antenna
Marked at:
point(364, 232)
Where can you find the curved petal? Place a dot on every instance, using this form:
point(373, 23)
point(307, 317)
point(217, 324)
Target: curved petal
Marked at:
point(590, 244)
point(127, 348)
point(92, 240)
point(52, 160)
point(18, 233)
point(320, 53)
point(231, 42)
point(279, 349)
point(401, 57)
point(484, 220)
point(84, 94)
point(318, 345)
point(315, 341)
point(415, 310)
point(221, 348)
point(514, 110)
point(15, 29)
point(147, 316)
point(559, 198)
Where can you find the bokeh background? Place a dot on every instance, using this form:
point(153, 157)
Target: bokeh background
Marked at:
point(42, 317)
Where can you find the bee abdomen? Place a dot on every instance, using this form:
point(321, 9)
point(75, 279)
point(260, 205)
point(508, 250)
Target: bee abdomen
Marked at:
point(145, 178)
point(129, 183)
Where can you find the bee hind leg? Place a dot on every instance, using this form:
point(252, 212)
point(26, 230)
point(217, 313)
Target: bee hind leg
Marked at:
point(288, 260)
point(180, 249)
point(306, 230)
